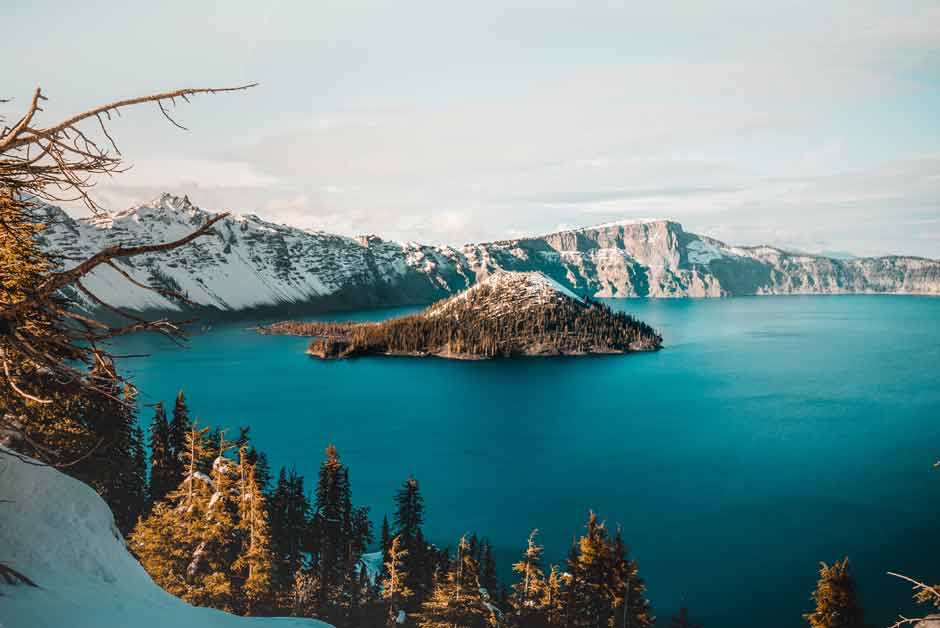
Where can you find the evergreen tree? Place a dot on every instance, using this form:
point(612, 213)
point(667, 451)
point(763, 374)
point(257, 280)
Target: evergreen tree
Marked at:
point(142, 490)
point(255, 561)
point(605, 587)
point(835, 598)
point(386, 542)
point(331, 501)
point(553, 597)
point(630, 589)
point(109, 466)
point(488, 568)
point(394, 587)
point(408, 518)
point(409, 511)
point(169, 542)
point(528, 594)
point(457, 599)
point(162, 463)
point(290, 512)
point(178, 429)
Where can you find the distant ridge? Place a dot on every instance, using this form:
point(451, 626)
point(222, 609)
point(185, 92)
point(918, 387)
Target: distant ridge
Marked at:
point(248, 264)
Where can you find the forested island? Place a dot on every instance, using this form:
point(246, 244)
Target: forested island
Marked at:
point(507, 314)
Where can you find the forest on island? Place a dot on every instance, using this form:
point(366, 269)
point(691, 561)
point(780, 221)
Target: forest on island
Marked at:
point(468, 324)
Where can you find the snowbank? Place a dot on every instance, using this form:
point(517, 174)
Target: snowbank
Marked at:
point(60, 533)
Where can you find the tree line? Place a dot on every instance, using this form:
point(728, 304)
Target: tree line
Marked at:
point(218, 531)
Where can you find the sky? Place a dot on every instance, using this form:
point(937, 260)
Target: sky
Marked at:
point(810, 125)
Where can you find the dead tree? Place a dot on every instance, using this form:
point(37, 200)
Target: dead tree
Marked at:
point(43, 337)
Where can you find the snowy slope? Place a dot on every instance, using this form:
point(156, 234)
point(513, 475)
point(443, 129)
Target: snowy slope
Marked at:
point(61, 534)
point(508, 292)
point(246, 262)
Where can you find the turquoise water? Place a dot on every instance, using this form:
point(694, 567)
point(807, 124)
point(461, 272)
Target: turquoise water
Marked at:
point(771, 433)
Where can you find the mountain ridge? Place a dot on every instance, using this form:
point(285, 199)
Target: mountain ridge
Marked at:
point(246, 263)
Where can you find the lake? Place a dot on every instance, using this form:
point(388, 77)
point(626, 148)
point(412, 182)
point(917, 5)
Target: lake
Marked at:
point(770, 433)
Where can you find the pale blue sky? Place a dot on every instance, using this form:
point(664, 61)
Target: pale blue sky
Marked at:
point(809, 125)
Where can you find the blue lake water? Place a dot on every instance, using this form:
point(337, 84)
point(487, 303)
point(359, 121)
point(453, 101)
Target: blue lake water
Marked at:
point(770, 433)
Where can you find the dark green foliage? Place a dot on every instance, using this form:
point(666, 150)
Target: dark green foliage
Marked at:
point(419, 563)
point(340, 534)
point(163, 465)
point(111, 466)
point(467, 326)
point(289, 516)
point(179, 427)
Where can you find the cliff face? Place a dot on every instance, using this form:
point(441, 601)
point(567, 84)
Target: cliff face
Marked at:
point(249, 263)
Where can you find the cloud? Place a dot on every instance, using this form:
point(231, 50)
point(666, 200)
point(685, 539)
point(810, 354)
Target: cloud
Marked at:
point(803, 124)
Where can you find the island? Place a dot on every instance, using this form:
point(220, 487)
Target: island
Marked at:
point(507, 314)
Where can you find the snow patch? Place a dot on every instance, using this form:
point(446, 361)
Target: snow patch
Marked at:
point(60, 533)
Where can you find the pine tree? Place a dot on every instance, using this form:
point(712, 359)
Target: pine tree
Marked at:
point(141, 487)
point(408, 518)
point(553, 597)
point(488, 568)
point(394, 587)
point(170, 542)
point(835, 598)
point(409, 511)
point(527, 597)
point(386, 542)
point(331, 501)
point(630, 589)
point(162, 463)
point(255, 560)
point(178, 429)
point(457, 599)
point(604, 587)
point(110, 467)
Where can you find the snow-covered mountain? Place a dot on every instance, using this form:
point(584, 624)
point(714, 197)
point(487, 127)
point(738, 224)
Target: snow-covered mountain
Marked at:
point(59, 533)
point(248, 263)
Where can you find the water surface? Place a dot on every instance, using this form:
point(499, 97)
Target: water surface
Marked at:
point(770, 434)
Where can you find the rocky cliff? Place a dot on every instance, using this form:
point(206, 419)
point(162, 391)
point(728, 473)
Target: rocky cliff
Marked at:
point(247, 263)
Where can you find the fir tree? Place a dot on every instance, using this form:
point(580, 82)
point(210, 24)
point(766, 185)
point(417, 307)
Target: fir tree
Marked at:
point(162, 464)
point(255, 560)
point(331, 501)
point(178, 429)
point(835, 598)
point(408, 518)
point(488, 568)
point(386, 542)
point(528, 594)
point(630, 589)
point(457, 599)
point(394, 587)
point(553, 597)
point(142, 489)
point(409, 511)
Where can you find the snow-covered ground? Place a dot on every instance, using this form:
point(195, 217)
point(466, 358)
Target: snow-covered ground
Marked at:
point(60, 533)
